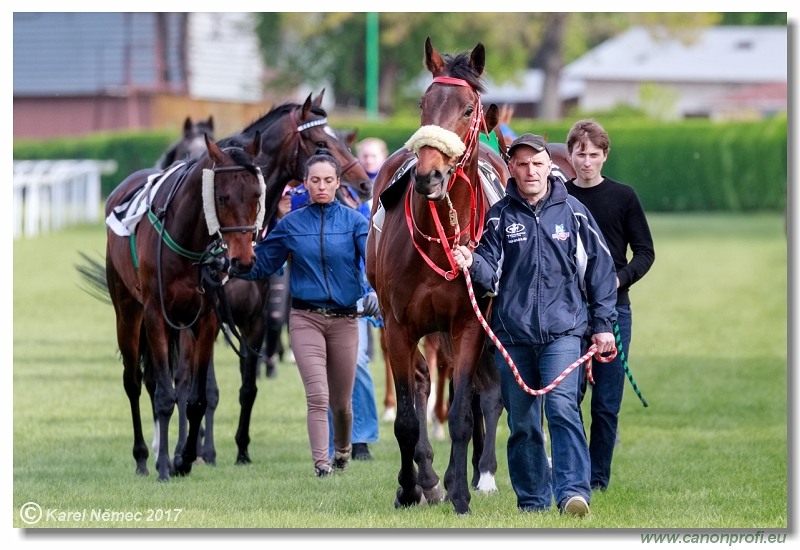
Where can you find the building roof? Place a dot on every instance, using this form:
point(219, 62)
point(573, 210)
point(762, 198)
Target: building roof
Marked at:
point(529, 88)
point(740, 54)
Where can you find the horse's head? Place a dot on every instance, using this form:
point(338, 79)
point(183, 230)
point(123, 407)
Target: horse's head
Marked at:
point(193, 143)
point(450, 120)
point(562, 167)
point(233, 200)
point(315, 133)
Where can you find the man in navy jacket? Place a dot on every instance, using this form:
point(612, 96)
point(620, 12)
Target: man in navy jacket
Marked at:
point(546, 262)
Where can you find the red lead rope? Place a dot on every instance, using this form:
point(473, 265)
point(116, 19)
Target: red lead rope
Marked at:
point(586, 358)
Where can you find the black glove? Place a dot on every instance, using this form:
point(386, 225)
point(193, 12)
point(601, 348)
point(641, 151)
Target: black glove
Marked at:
point(369, 306)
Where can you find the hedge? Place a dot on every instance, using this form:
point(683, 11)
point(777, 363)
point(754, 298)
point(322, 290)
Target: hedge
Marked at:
point(695, 165)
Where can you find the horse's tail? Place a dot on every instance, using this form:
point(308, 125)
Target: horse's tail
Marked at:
point(486, 374)
point(93, 274)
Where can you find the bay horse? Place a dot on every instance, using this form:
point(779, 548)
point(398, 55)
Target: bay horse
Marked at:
point(191, 144)
point(290, 134)
point(437, 358)
point(406, 249)
point(191, 217)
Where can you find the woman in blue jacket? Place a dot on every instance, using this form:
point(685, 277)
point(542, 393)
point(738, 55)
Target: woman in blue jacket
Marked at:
point(325, 242)
point(544, 258)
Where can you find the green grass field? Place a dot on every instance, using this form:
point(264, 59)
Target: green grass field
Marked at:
point(711, 451)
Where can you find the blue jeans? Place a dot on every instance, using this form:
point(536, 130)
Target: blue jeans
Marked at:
point(365, 409)
point(609, 382)
point(527, 457)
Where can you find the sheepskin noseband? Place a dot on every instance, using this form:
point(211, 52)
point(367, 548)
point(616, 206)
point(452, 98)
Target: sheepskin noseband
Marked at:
point(437, 137)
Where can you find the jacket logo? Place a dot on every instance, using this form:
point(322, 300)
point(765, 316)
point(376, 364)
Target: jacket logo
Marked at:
point(515, 228)
point(560, 233)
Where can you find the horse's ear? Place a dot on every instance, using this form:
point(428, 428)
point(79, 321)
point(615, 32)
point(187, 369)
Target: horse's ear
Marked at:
point(213, 150)
point(306, 107)
point(187, 126)
point(351, 137)
point(433, 61)
point(254, 148)
point(318, 99)
point(210, 122)
point(492, 117)
point(478, 58)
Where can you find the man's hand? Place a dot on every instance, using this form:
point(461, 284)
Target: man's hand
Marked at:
point(463, 257)
point(604, 342)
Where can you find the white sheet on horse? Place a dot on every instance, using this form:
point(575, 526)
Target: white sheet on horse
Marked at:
point(124, 217)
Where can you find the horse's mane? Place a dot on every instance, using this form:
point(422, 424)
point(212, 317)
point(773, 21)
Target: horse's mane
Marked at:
point(458, 66)
point(242, 158)
point(264, 122)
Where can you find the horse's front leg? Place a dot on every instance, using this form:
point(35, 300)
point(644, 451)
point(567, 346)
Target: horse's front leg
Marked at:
point(183, 379)
point(467, 349)
point(423, 454)
point(196, 350)
point(164, 395)
point(248, 366)
point(491, 405)
point(205, 448)
point(406, 424)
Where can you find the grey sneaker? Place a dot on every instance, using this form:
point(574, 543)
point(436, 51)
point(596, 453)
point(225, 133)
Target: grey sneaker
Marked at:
point(323, 471)
point(576, 506)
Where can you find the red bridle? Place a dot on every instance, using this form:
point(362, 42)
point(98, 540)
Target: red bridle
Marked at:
point(477, 205)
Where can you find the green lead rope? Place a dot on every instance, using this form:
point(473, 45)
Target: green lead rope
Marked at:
point(624, 359)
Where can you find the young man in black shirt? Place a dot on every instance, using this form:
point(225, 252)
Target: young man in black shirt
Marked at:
point(620, 216)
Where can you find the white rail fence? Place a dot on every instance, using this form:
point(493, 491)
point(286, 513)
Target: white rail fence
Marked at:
point(52, 194)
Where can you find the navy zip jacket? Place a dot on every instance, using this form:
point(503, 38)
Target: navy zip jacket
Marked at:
point(545, 265)
point(326, 243)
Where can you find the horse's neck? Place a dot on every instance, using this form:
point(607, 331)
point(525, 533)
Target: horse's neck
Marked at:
point(185, 195)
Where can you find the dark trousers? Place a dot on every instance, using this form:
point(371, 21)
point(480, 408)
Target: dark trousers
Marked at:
point(609, 383)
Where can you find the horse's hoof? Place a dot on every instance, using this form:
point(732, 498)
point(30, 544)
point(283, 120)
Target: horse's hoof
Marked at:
point(142, 471)
point(182, 467)
point(486, 484)
point(389, 414)
point(434, 495)
point(243, 459)
point(400, 503)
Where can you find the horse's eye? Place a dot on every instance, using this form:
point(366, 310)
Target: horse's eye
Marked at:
point(468, 112)
point(321, 144)
point(419, 104)
point(222, 200)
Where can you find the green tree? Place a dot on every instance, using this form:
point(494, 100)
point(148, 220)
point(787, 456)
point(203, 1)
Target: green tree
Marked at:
point(324, 49)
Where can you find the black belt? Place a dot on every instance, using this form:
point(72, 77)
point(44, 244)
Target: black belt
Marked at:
point(325, 311)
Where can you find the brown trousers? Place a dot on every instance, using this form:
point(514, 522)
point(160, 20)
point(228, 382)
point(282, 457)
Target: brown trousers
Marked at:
point(325, 350)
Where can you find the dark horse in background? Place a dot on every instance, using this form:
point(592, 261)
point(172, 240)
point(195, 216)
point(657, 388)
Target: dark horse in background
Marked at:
point(191, 144)
point(289, 134)
point(156, 278)
point(432, 206)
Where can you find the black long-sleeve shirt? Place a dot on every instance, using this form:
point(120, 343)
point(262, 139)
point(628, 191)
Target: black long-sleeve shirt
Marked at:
point(620, 216)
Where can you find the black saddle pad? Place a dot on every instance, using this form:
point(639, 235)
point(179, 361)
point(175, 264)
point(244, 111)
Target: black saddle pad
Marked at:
point(397, 186)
